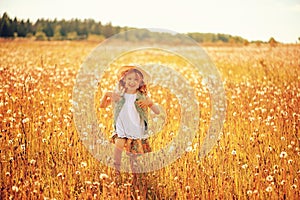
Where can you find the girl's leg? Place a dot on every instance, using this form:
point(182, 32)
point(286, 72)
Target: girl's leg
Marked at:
point(138, 149)
point(140, 146)
point(128, 144)
point(119, 142)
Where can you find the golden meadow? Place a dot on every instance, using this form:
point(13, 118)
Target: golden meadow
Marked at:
point(257, 156)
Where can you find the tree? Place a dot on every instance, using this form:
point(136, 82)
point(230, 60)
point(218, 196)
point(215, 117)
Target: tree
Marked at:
point(57, 35)
point(38, 26)
point(6, 28)
point(222, 37)
point(63, 28)
point(83, 29)
point(40, 36)
point(29, 27)
point(96, 28)
point(272, 42)
point(21, 29)
point(48, 29)
point(107, 30)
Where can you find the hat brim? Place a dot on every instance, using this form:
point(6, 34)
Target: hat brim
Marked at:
point(123, 69)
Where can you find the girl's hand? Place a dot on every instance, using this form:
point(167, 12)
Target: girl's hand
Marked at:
point(106, 100)
point(115, 96)
point(144, 103)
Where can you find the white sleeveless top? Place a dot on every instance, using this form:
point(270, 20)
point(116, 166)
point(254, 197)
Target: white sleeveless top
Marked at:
point(129, 124)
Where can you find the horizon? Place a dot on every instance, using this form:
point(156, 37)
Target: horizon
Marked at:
point(170, 31)
point(253, 21)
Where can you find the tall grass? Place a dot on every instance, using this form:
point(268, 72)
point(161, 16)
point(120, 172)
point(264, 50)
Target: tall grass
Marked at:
point(257, 156)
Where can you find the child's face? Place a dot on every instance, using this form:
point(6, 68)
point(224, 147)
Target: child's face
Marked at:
point(132, 82)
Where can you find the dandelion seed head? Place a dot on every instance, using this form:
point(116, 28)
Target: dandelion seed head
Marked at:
point(103, 176)
point(294, 186)
point(269, 189)
point(233, 152)
point(187, 188)
point(15, 188)
point(249, 192)
point(283, 154)
point(189, 149)
point(23, 147)
point(32, 161)
point(269, 178)
point(95, 183)
point(24, 121)
point(172, 148)
point(83, 164)
point(244, 166)
point(88, 182)
point(270, 148)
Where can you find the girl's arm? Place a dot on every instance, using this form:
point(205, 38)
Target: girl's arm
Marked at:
point(154, 108)
point(149, 103)
point(108, 98)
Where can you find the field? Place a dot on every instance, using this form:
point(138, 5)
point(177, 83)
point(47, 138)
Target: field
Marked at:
point(256, 157)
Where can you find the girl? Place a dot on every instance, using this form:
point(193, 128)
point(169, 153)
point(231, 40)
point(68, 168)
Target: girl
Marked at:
point(131, 105)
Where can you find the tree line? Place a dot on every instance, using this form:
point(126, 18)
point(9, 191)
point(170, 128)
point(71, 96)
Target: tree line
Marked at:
point(76, 29)
point(219, 37)
point(55, 29)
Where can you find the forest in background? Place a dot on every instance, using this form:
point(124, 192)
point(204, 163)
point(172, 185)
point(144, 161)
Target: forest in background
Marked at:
point(76, 29)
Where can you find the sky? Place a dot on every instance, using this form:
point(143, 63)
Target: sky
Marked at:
point(250, 19)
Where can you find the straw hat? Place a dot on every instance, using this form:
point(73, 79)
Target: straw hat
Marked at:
point(123, 69)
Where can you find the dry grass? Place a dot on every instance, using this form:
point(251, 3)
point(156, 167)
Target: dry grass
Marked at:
point(257, 157)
